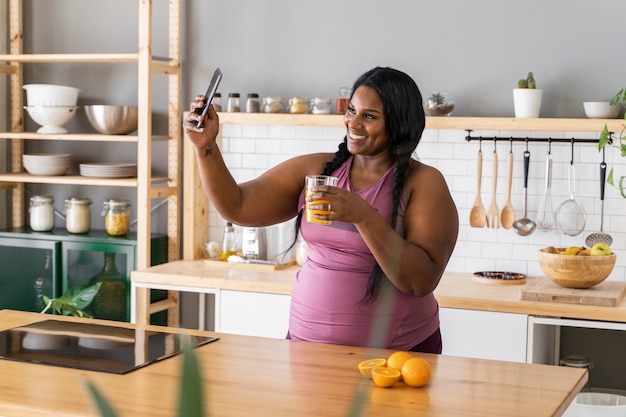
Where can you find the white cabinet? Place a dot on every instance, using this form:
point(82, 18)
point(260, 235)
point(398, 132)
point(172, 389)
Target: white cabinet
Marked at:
point(484, 334)
point(254, 314)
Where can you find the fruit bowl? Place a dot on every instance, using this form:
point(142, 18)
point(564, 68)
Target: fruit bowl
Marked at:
point(576, 271)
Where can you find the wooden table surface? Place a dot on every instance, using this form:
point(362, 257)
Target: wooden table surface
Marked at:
point(454, 290)
point(249, 376)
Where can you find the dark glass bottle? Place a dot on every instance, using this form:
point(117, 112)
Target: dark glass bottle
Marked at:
point(110, 302)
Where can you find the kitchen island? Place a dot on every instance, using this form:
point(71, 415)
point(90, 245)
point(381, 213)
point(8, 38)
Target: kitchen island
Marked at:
point(246, 376)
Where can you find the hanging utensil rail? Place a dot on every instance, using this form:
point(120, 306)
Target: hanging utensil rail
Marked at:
point(469, 138)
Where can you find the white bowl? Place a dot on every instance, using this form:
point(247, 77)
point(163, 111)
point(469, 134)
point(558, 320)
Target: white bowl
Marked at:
point(42, 170)
point(601, 110)
point(46, 164)
point(51, 119)
point(600, 404)
point(51, 95)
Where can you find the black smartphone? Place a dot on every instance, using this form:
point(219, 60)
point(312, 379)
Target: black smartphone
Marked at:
point(210, 92)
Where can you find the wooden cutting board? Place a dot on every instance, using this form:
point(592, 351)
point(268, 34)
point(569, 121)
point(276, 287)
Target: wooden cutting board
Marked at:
point(607, 293)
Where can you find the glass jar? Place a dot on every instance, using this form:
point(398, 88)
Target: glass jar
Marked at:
point(110, 301)
point(343, 100)
point(116, 217)
point(234, 104)
point(217, 101)
point(577, 361)
point(298, 105)
point(320, 106)
point(272, 105)
point(253, 104)
point(77, 214)
point(41, 213)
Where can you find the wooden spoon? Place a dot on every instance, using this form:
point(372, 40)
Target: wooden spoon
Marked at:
point(478, 215)
point(507, 216)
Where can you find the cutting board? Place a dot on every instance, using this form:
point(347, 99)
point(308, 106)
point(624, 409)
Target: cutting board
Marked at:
point(606, 294)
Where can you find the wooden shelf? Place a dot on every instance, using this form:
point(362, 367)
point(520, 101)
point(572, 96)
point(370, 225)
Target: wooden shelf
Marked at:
point(84, 137)
point(24, 177)
point(464, 123)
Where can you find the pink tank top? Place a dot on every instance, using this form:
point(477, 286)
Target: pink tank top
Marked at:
point(326, 302)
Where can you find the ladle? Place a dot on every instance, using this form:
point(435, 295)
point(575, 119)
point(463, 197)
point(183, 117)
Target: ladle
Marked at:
point(525, 226)
point(478, 215)
point(600, 237)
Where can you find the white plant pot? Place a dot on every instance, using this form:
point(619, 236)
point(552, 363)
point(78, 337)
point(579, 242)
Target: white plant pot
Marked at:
point(527, 102)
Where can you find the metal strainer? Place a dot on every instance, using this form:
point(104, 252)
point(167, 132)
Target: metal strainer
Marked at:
point(570, 217)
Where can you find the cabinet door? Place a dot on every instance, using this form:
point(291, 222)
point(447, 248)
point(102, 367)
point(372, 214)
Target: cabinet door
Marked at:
point(484, 334)
point(254, 314)
point(28, 270)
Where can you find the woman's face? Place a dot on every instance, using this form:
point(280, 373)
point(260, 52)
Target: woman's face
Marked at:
point(365, 123)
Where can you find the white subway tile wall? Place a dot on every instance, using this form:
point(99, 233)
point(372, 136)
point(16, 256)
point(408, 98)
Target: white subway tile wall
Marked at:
point(251, 149)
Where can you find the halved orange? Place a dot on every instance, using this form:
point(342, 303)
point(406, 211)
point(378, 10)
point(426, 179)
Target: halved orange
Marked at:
point(366, 367)
point(385, 377)
point(416, 372)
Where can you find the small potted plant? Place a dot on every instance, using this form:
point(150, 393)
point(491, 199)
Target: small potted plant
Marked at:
point(527, 98)
point(438, 105)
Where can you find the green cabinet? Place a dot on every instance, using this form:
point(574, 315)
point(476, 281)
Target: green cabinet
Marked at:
point(36, 263)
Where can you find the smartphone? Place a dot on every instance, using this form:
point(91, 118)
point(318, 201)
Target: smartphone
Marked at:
point(210, 92)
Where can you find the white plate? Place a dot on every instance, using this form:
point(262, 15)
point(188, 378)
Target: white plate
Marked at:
point(106, 170)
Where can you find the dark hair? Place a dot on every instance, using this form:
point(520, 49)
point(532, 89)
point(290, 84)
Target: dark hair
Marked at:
point(405, 121)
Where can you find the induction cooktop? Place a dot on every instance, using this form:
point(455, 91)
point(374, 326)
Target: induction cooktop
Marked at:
point(93, 347)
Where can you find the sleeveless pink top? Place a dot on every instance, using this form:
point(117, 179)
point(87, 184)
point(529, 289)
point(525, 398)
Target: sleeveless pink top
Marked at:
point(326, 302)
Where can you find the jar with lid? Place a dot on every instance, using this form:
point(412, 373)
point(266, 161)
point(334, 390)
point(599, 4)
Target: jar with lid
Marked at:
point(577, 361)
point(298, 105)
point(343, 100)
point(253, 103)
point(229, 242)
point(41, 213)
point(320, 105)
point(116, 217)
point(78, 214)
point(272, 105)
point(234, 104)
point(217, 101)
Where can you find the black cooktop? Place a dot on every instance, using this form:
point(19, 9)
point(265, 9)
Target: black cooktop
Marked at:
point(93, 347)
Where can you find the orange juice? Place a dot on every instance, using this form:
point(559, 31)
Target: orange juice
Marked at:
point(310, 213)
point(311, 182)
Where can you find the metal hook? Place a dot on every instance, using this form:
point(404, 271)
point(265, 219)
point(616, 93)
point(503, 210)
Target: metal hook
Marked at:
point(526, 143)
point(572, 160)
point(549, 146)
point(495, 143)
point(511, 145)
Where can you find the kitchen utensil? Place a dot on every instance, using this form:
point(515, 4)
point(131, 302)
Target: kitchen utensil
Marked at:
point(507, 217)
point(478, 215)
point(600, 237)
point(570, 216)
point(493, 214)
point(525, 226)
point(545, 217)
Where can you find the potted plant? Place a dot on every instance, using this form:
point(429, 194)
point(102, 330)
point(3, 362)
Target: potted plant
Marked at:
point(619, 142)
point(438, 105)
point(527, 98)
point(74, 301)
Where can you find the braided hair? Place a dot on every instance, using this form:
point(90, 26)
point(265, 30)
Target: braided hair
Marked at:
point(405, 121)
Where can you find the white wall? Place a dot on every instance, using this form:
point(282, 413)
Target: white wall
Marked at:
point(249, 150)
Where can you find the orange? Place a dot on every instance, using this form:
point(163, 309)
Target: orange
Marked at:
point(366, 367)
point(397, 359)
point(416, 372)
point(385, 377)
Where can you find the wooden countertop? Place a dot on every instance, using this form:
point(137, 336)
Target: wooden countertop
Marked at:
point(245, 376)
point(454, 290)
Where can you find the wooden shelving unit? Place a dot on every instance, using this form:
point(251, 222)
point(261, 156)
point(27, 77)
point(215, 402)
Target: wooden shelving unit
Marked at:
point(148, 187)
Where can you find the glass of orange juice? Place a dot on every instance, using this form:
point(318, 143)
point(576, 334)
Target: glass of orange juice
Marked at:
point(313, 181)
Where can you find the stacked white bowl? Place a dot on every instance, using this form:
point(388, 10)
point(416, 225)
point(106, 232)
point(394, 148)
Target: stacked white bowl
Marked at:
point(47, 163)
point(51, 106)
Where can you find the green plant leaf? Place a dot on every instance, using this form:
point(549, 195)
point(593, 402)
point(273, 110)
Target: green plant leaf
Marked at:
point(191, 399)
point(102, 404)
point(73, 301)
point(621, 186)
point(605, 138)
point(609, 180)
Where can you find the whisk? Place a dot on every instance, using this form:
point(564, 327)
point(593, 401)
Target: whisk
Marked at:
point(545, 215)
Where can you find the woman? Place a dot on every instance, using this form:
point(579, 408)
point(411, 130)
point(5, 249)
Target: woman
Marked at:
point(370, 275)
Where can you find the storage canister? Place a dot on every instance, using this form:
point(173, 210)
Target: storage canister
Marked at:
point(116, 217)
point(343, 99)
point(272, 105)
point(234, 104)
point(217, 102)
point(577, 361)
point(253, 103)
point(77, 214)
point(41, 213)
point(320, 105)
point(298, 105)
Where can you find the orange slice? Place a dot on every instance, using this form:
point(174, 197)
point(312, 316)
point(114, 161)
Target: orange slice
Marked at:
point(385, 377)
point(366, 367)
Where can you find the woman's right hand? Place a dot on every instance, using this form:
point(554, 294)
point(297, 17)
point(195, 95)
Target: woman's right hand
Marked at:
point(202, 137)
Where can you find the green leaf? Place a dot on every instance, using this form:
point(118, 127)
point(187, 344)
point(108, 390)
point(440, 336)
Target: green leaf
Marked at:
point(609, 180)
point(73, 301)
point(104, 407)
point(621, 186)
point(191, 400)
point(605, 138)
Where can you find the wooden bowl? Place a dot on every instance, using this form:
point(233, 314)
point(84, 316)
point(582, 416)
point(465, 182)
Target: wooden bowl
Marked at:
point(576, 271)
